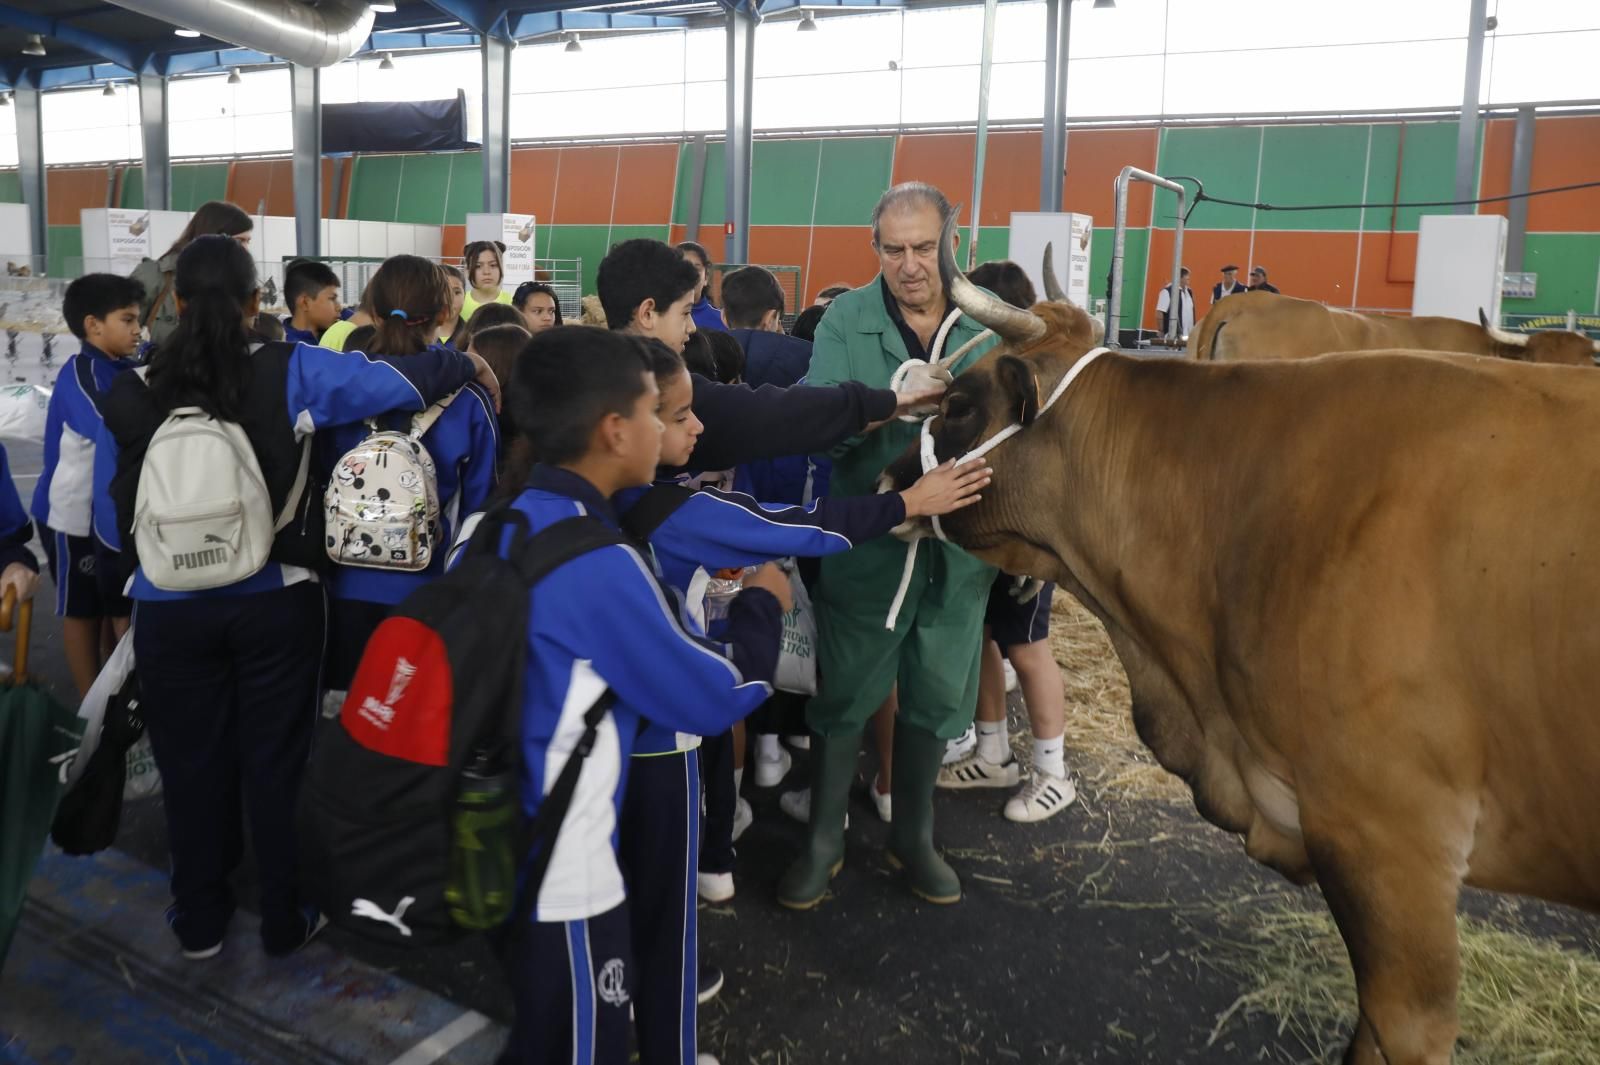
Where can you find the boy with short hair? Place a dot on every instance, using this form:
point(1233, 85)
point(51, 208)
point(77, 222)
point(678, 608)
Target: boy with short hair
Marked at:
point(752, 305)
point(311, 292)
point(648, 288)
point(590, 409)
point(102, 310)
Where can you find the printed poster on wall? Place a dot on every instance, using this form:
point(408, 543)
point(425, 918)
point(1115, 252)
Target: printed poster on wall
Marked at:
point(518, 239)
point(129, 233)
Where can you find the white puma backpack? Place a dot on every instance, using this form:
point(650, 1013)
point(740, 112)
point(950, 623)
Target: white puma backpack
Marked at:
point(203, 514)
point(382, 501)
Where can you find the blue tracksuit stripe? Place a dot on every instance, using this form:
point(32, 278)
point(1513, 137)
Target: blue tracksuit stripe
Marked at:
point(327, 387)
point(72, 470)
point(15, 528)
point(583, 1011)
point(689, 986)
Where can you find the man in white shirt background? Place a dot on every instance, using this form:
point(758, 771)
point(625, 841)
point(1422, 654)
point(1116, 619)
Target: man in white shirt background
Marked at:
point(1185, 307)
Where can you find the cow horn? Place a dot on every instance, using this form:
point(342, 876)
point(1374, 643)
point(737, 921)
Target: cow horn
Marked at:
point(1516, 340)
point(1052, 287)
point(1011, 324)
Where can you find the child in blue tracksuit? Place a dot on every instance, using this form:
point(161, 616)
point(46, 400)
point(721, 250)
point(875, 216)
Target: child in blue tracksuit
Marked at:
point(229, 675)
point(408, 297)
point(102, 310)
point(661, 812)
point(587, 404)
point(19, 570)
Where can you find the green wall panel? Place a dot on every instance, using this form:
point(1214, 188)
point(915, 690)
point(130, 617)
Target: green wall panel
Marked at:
point(590, 243)
point(994, 242)
point(1135, 255)
point(196, 183)
point(374, 187)
point(784, 182)
point(1313, 164)
point(1225, 159)
point(712, 197)
point(1427, 171)
point(466, 187)
point(10, 187)
point(855, 171)
point(1567, 265)
point(132, 191)
point(65, 257)
point(424, 188)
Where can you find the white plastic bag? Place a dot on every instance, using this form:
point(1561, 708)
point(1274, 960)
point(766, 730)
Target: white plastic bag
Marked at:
point(113, 675)
point(144, 779)
point(797, 654)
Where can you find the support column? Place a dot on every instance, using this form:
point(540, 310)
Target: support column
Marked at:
point(1521, 181)
point(1467, 137)
point(153, 126)
point(1053, 157)
point(697, 187)
point(30, 168)
point(741, 93)
point(306, 101)
point(985, 68)
point(496, 125)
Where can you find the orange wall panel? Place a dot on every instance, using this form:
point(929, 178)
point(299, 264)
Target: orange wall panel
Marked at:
point(254, 181)
point(1094, 159)
point(533, 182)
point(1313, 266)
point(645, 182)
point(1010, 177)
point(1388, 271)
point(711, 238)
point(840, 255)
point(1566, 151)
point(1494, 178)
point(943, 160)
point(1204, 252)
point(451, 240)
point(67, 192)
point(585, 186)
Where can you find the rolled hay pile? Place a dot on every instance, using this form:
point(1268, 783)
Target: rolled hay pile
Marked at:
point(1102, 747)
point(1522, 1000)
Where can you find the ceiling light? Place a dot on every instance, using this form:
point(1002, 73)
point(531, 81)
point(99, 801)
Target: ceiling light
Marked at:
point(383, 7)
point(388, 62)
point(186, 32)
point(1104, 5)
point(573, 45)
point(108, 90)
point(35, 45)
point(234, 78)
point(807, 23)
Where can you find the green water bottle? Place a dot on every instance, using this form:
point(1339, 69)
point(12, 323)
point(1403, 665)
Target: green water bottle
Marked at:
point(483, 868)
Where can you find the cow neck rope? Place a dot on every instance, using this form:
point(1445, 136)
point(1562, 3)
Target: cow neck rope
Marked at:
point(930, 461)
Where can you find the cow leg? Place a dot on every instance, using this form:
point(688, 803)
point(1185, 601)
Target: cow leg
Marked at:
point(1396, 910)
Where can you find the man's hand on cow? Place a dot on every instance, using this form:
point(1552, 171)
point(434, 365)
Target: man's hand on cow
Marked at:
point(771, 578)
point(946, 488)
point(924, 401)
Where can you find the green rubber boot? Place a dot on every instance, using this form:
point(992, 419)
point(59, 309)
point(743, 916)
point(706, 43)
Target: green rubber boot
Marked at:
point(833, 770)
point(917, 756)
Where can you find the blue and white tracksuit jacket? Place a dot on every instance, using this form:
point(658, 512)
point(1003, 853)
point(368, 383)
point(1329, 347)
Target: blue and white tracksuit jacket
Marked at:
point(463, 443)
point(715, 530)
point(601, 620)
point(15, 532)
point(65, 498)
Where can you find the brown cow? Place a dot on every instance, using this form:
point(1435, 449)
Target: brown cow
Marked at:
point(1262, 325)
point(1364, 631)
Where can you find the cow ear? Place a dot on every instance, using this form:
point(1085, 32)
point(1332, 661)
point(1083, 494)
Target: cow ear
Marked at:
point(1020, 385)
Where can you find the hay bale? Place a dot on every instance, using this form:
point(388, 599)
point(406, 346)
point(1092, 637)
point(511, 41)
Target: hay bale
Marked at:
point(1522, 999)
point(1105, 751)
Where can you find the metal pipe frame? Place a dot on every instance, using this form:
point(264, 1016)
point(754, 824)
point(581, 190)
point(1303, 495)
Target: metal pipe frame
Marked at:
point(738, 156)
point(154, 132)
point(305, 86)
point(1467, 131)
point(496, 124)
point(30, 166)
point(1521, 182)
point(1120, 245)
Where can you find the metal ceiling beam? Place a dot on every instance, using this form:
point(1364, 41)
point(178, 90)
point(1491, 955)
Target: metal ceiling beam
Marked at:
point(544, 23)
point(413, 42)
point(774, 7)
point(476, 15)
point(173, 64)
point(118, 52)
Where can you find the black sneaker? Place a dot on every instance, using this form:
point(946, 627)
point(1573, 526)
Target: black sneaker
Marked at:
point(195, 947)
point(710, 983)
point(314, 922)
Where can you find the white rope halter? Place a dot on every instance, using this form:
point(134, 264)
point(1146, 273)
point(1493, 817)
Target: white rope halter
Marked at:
point(930, 461)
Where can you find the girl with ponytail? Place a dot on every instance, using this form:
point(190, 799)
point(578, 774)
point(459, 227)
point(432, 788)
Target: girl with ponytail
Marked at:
point(229, 674)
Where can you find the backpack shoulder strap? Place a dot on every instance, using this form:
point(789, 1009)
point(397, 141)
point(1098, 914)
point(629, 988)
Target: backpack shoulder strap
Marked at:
point(562, 542)
point(654, 507)
point(423, 421)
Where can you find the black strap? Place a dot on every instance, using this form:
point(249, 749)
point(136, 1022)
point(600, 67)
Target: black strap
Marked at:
point(654, 507)
point(553, 810)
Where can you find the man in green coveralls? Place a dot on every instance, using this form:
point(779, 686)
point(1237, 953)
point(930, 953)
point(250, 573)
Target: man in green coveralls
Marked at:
point(932, 651)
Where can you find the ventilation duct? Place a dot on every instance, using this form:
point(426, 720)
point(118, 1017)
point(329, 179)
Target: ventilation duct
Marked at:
point(311, 36)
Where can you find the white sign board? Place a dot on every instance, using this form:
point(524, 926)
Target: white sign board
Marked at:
point(1461, 262)
point(129, 239)
point(516, 232)
point(1069, 235)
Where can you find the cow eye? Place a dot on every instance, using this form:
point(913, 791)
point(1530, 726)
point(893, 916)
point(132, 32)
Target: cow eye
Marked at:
point(957, 405)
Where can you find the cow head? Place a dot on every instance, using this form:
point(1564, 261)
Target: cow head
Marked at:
point(1556, 346)
point(1008, 386)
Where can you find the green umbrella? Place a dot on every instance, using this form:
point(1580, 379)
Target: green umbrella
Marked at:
point(37, 737)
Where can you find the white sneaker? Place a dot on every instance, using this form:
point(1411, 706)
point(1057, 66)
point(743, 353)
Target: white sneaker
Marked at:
point(705, 1059)
point(797, 804)
point(771, 771)
point(1011, 674)
point(961, 746)
point(882, 800)
point(801, 742)
point(742, 817)
point(714, 887)
point(976, 771)
point(1042, 797)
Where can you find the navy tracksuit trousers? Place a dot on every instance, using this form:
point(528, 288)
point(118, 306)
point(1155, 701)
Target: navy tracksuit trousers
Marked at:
point(572, 981)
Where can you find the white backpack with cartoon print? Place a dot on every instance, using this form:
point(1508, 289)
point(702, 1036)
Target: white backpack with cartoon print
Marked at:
point(382, 501)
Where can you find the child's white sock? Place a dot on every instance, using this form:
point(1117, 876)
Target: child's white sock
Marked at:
point(738, 780)
point(1049, 756)
point(994, 746)
point(768, 748)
